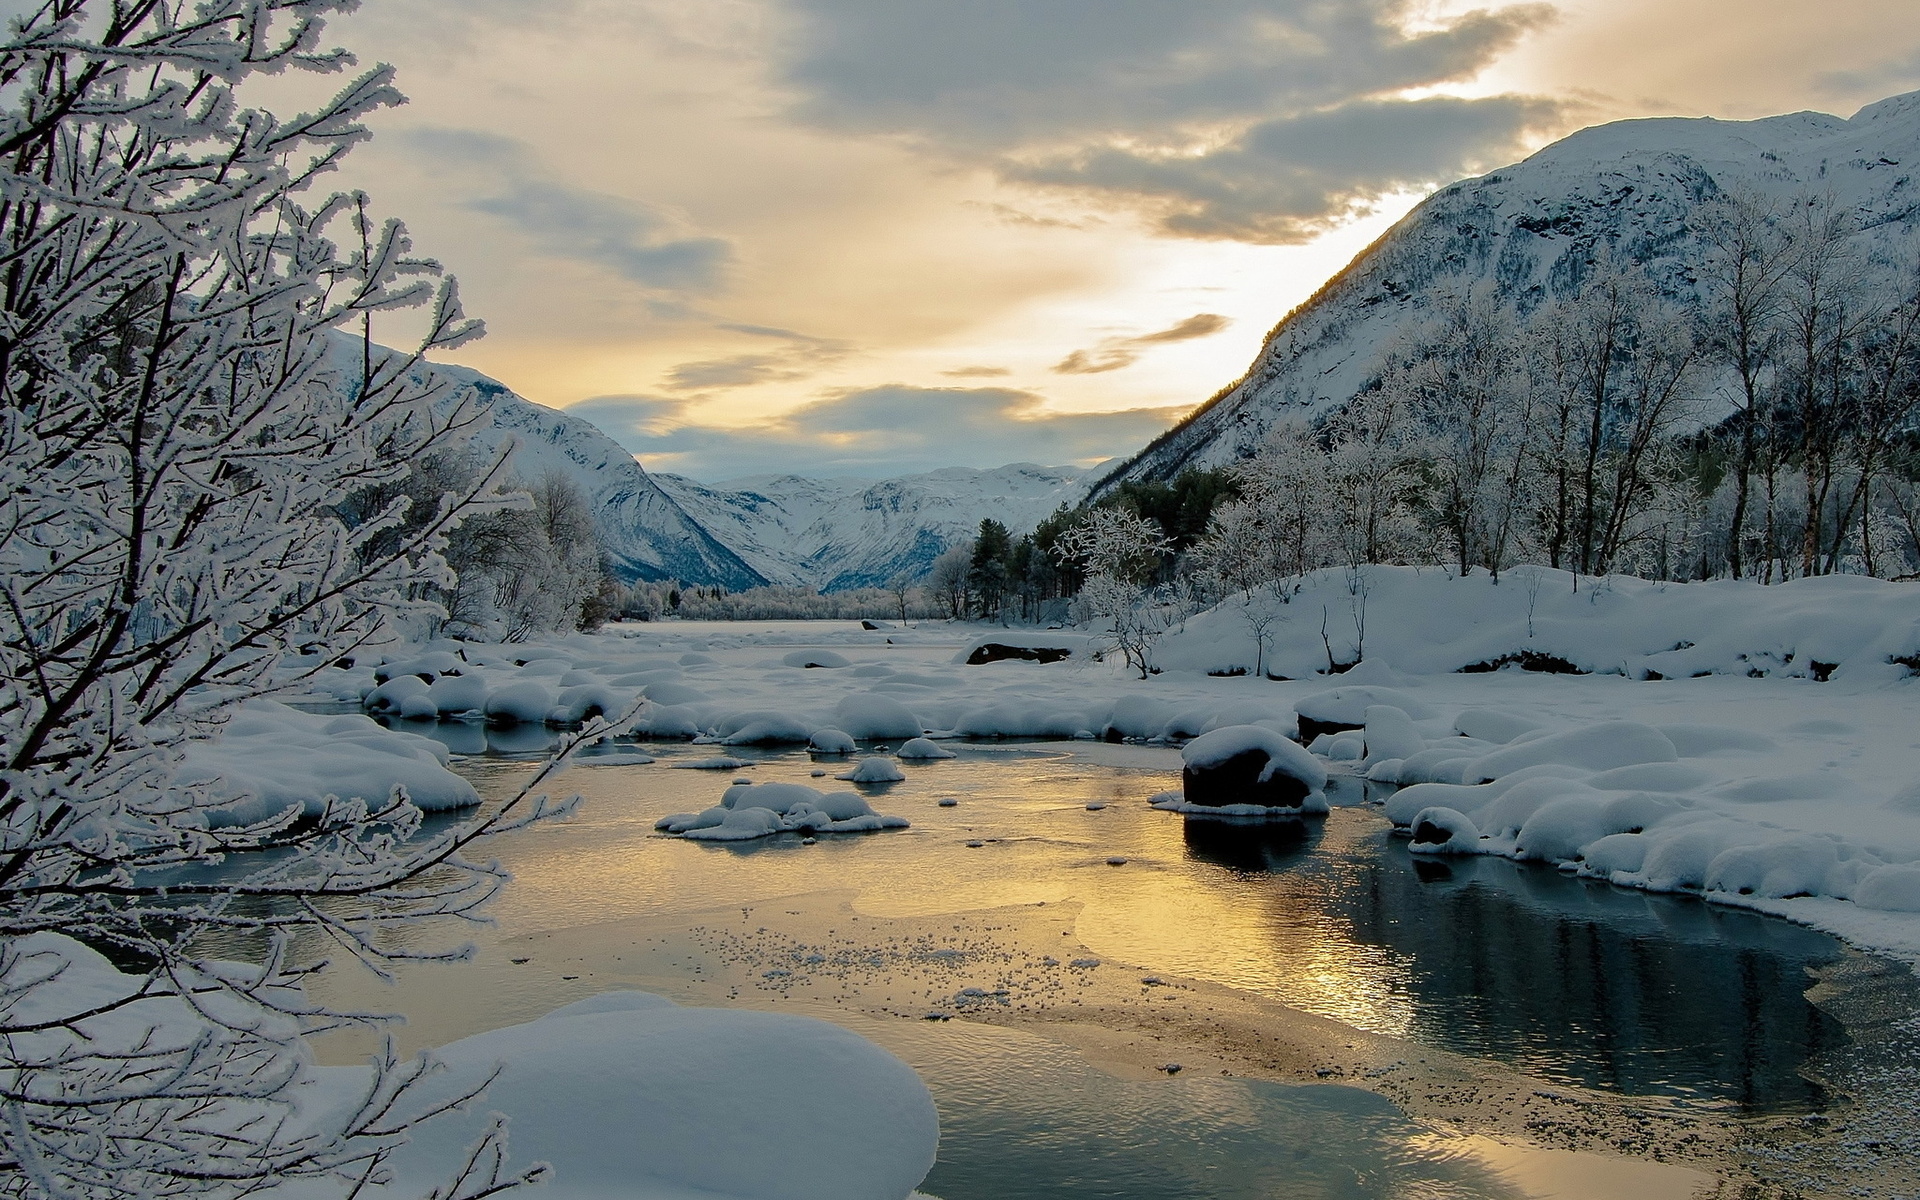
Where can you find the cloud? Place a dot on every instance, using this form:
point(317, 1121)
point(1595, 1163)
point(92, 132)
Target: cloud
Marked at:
point(1222, 119)
point(631, 239)
point(976, 372)
point(800, 358)
point(1115, 353)
point(874, 432)
point(1290, 179)
point(1888, 74)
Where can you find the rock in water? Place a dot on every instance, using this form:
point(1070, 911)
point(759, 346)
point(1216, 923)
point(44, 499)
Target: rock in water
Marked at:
point(1249, 765)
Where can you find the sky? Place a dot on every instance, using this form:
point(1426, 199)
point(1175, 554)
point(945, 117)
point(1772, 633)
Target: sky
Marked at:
point(873, 237)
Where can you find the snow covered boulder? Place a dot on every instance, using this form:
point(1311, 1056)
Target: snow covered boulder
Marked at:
point(673, 693)
point(747, 811)
point(1137, 716)
point(581, 703)
point(1346, 708)
point(924, 749)
point(628, 1094)
point(870, 716)
point(453, 694)
point(831, 741)
point(1492, 724)
point(1892, 888)
point(762, 728)
point(1598, 747)
point(1251, 766)
point(877, 769)
point(665, 722)
point(392, 695)
point(1390, 734)
point(270, 758)
point(524, 703)
point(1440, 830)
point(815, 658)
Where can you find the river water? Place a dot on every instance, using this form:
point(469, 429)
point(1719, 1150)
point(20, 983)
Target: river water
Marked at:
point(1565, 980)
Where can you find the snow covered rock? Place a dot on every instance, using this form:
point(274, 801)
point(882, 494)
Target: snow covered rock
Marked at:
point(1390, 733)
point(870, 717)
point(271, 757)
point(876, 769)
point(924, 749)
point(671, 722)
point(815, 658)
point(1251, 766)
point(1492, 724)
point(1346, 708)
point(831, 741)
point(455, 694)
point(1440, 830)
point(761, 727)
point(747, 811)
point(526, 702)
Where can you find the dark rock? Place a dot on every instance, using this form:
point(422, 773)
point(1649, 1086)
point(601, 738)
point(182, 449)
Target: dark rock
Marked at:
point(1237, 781)
point(988, 652)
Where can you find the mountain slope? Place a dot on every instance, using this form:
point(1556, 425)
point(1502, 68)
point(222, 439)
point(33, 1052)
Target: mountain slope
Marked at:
point(1634, 189)
point(834, 534)
point(646, 534)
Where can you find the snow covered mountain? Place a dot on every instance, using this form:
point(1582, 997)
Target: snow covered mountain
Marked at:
point(834, 534)
point(646, 534)
point(1631, 188)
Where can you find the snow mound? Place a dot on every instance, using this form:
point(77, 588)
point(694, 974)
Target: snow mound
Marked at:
point(719, 763)
point(876, 769)
point(815, 658)
point(270, 757)
point(869, 716)
point(923, 748)
point(747, 811)
point(831, 741)
point(1594, 747)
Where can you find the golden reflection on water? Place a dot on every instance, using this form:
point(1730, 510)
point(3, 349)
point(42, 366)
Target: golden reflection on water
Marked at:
point(1169, 905)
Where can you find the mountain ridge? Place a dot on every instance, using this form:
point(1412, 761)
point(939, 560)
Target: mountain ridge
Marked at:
point(1630, 189)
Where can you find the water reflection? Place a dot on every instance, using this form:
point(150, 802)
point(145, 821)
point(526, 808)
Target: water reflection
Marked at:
point(1567, 978)
point(1251, 847)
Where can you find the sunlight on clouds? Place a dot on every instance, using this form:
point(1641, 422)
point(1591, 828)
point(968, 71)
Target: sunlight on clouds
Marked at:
point(757, 206)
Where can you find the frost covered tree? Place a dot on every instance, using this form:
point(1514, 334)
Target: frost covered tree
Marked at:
point(1120, 552)
point(184, 426)
point(536, 567)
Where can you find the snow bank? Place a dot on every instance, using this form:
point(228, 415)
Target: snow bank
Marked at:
point(1426, 621)
point(270, 757)
point(1614, 800)
point(748, 811)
